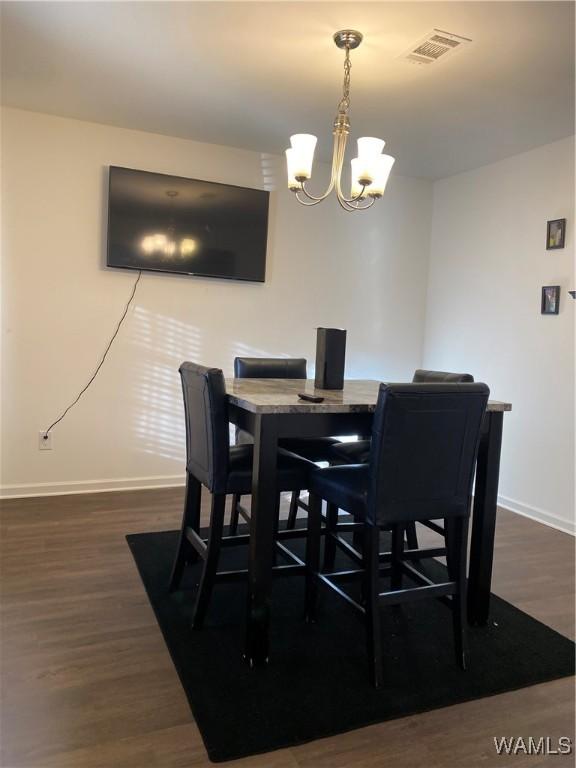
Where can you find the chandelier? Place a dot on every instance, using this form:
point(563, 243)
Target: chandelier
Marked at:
point(370, 170)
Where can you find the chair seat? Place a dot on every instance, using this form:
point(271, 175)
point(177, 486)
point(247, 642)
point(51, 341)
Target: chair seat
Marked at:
point(357, 452)
point(293, 471)
point(311, 448)
point(346, 486)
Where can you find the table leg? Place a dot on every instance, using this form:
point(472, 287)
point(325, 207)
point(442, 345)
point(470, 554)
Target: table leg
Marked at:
point(484, 518)
point(262, 524)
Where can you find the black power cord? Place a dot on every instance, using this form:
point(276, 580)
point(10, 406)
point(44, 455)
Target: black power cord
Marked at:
point(101, 363)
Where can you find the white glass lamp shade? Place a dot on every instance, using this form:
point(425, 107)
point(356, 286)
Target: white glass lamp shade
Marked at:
point(383, 166)
point(303, 146)
point(293, 183)
point(369, 147)
point(356, 186)
point(369, 150)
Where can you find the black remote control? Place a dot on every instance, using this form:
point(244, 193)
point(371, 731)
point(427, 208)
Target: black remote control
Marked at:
point(310, 398)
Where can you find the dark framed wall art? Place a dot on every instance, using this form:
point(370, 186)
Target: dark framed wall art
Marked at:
point(555, 234)
point(550, 300)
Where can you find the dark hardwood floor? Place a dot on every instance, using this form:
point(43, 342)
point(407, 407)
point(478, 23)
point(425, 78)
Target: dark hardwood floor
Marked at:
point(87, 681)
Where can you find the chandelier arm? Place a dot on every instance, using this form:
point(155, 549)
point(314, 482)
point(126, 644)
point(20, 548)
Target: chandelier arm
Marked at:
point(314, 201)
point(348, 207)
point(342, 199)
point(338, 149)
point(353, 204)
point(358, 197)
point(319, 198)
point(344, 205)
point(340, 140)
point(314, 197)
point(364, 207)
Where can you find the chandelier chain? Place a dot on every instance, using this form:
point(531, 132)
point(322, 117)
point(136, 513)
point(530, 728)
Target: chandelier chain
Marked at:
point(344, 104)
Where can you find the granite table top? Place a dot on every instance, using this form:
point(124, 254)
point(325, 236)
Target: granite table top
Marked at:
point(281, 396)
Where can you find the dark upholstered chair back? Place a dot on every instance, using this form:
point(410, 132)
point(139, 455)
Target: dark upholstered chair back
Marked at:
point(269, 368)
point(266, 368)
point(424, 445)
point(207, 436)
point(441, 377)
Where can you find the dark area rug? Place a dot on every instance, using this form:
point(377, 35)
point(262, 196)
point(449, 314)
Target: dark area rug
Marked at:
point(316, 683)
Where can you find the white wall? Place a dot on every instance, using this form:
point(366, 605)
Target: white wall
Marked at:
point(488, 263)
point(364, 272)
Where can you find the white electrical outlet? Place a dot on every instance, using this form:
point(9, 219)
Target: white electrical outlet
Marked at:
point(45, 441)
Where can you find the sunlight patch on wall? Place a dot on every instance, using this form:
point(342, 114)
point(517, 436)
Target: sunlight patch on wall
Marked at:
point(163, 343)
point(269, 167)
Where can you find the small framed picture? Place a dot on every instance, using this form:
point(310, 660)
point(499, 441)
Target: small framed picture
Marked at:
point(555, 234)
point(550, 299)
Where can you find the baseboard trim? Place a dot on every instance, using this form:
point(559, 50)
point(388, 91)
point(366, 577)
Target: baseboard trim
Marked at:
point(539, 515)
point(30, 490)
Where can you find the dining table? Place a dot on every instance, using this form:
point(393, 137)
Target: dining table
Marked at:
point(270, 409)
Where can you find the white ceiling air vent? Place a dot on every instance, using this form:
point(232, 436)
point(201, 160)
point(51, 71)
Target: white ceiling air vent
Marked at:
point(435, 46)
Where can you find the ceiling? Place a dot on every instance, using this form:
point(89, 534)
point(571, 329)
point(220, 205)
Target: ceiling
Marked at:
point(249, 74)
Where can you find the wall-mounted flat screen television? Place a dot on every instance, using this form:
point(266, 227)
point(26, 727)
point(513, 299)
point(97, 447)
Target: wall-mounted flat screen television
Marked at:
point(186, 226)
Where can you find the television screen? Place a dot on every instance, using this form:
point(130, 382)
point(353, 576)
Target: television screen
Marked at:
point(189, 227)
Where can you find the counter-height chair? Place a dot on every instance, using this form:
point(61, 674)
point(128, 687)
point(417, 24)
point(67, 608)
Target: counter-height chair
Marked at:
point(421, 466)
point(358, 452)
point(223, 470)
point(311, 448)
